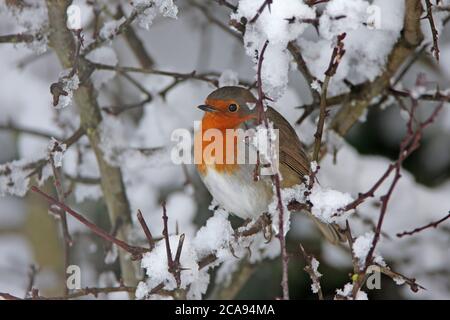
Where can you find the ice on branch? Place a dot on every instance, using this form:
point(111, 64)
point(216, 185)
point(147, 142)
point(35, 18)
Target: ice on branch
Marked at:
point(110, 28)
point(287, 195)
point(14, 178)
point(64, 89)
point(380, 21)
point(156, 267)
point(33, 19)
point(56, 151)
point(346, 293)
point(315, 286)
point(316, 86)
point(284, 22)
point(266, 142)
point(361, 247)
point(343, 16)
point(215, 237)
point(152, 8)
point(326, 202)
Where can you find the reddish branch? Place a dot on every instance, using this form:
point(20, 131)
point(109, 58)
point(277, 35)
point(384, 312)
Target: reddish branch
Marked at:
point(408, 145)
point(17, 38)
point(147, 232)
point(435, 48)
point(57, 88)
point(437, 96)
point(315, 278)
point(62, 214)
point(315, 2)
point(174, 265)
point(136, 252)
point(336, 56)
point(265, 4)
point(359, 276)
point(430, 225)
point(262, 118)
point(75, 294)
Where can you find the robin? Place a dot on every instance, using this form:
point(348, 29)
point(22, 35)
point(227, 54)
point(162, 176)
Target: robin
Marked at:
point(232, 184)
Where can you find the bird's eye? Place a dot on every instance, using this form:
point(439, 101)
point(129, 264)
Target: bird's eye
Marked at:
point(232, 107)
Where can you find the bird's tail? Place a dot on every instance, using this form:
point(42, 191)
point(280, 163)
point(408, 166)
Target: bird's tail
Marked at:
point(330, 231)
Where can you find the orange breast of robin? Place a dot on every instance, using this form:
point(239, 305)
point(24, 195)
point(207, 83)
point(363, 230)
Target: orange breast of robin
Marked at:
point(217, 148)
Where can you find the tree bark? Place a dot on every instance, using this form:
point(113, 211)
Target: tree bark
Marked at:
point(63, 43)
point(410, 39)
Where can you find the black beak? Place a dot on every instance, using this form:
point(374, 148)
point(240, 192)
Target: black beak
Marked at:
point(206, 108)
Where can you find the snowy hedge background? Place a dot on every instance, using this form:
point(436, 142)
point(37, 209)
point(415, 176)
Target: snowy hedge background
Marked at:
point(95, 109)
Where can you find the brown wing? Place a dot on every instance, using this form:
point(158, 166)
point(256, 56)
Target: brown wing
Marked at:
point(294, 162)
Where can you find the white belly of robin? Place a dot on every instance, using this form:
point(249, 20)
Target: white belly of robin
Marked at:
point(237, 193)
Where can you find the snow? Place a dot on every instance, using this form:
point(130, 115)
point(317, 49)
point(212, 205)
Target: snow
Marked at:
point(326, 202)
point(32, 19)
point(56, 151)
point(103, 55)
point(68, 85)
point(266, 141)
point(156, 266)
point(363, 59)
point(215, 236)
point(149, 178)
point(166, 8)
point(228, 78)
point(14, 178)
point(110, 28)
point(347, 293)
point(182, 209)
point(142, 290)
point(316, 86)
point(273, 25)
point(342, 16)
point(315, 265)
point(361, 248)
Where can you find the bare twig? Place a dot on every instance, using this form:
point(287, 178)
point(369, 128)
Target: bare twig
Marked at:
point(312, 272)
point(62, 213)
point(430, 225)
point(136, 44)
point(176, 75)
point(147, 232)
point(265, 4)
point(122, 28)
point(17, 38)
point(262, 118)
point(136, 252)
point(338, 53)
point(434, 32)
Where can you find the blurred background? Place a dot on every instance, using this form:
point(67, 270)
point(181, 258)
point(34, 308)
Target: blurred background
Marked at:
point(30, 236)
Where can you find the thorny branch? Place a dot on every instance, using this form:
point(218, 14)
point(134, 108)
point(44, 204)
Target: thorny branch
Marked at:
point(174, 265)
point(136, 252)
point(262, 118)
point(408, 145)
point(122, 28)
point(430, 225)
point(336, 56)
point(312, 272)
point(434, 32)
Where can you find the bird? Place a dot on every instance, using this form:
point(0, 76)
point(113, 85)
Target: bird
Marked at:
point(232, 184)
